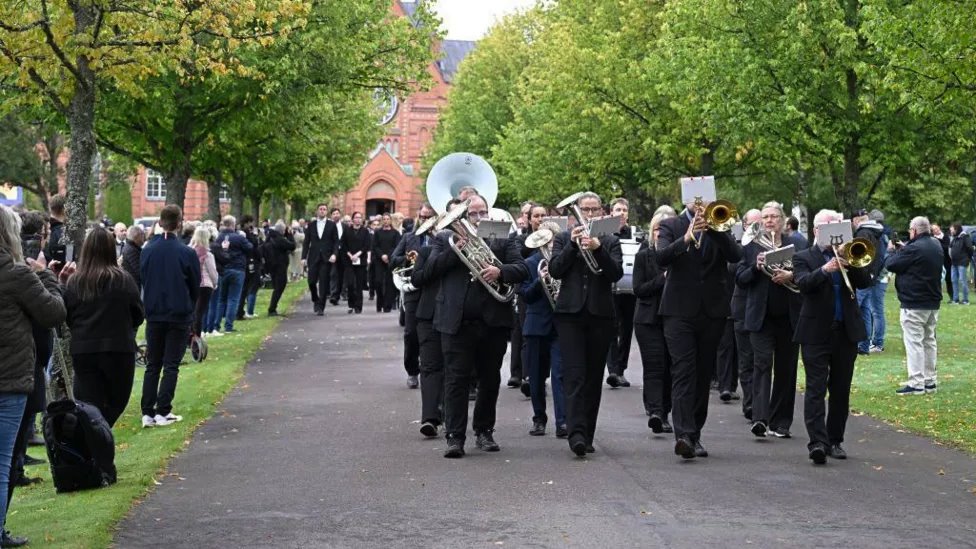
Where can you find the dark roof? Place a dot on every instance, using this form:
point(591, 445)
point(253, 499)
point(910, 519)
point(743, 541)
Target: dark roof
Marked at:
point(452, 53)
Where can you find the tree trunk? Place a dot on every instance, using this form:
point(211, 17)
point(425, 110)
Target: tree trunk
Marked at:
point(81, 121)
point(277, 210)
point(256, 208)
point(297, 209)
point(179, 172)
point(237, 196)
point(214, 183)
point(847, 194)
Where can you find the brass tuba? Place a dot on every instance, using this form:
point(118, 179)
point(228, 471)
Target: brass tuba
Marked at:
point(720, 215)
point(542, 240)
point(570, 205)
point(765, 240)
point(474, 252)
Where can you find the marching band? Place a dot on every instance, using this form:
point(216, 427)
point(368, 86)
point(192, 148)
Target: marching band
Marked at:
point(700, 273)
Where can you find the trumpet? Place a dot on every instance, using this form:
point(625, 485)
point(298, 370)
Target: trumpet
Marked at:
point(858, 253)
point(766, 241)
point(474, 253)
point(542, 240)
point(570, 204)
point(720, 215)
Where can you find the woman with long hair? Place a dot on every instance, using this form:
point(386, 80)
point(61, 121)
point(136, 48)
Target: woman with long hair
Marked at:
point(28, 293)
point(104, 311)
point(200, 242)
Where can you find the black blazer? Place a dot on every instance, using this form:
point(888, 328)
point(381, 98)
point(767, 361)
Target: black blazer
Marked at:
point(649, 281)
point(757, 284)
point(538, 311)
point(817, 290)
point(580, 287)
point(738, 297)
point(427, 284)
point(316, 249)
point(698, 278)
point(456, 282)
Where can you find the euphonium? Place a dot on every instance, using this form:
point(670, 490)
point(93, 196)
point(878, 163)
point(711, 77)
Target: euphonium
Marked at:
point(570, 204)
point(475, 253)
point(542, 240)
point(756, 233)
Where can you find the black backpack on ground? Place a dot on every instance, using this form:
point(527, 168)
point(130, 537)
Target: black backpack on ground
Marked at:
point(80, 446)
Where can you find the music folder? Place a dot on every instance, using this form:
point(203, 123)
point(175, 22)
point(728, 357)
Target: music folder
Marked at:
point(780, 256)
point(488, 229)
point(602, 226)
point(834, 234)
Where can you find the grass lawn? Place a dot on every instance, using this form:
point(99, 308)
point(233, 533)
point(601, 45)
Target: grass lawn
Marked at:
point(87, 519)
point(948, 416)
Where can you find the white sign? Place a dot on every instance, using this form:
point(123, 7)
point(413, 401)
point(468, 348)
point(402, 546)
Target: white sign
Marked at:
point(698, 187)
point(834, 234)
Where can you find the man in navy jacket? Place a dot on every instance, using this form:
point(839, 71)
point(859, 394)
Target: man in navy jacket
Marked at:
point(171, 281)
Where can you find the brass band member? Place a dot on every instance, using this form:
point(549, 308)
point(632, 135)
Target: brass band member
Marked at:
point(743, 346)
point(405, 253)
point(474, 331)
point(584, 320)
point(828, 329)
point(695, 306)
point(624, 304)
point(649, 281)
point(771, 312)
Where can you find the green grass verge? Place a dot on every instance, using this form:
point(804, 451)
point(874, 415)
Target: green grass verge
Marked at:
point(948, 416)
point(87, 519)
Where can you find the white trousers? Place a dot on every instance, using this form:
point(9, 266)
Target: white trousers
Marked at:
point(921, 349)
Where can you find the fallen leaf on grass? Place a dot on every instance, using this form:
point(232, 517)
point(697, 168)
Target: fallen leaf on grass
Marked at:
point(879, 467)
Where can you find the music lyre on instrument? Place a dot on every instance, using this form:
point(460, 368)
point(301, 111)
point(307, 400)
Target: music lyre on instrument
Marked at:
point(570, 204)
point(542, 240)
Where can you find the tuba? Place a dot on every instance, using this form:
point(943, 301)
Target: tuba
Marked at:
point(570, 204)
point(756, 233)
point(858, 253)
point(720, 215)
point(542, 240)
point(474, 252)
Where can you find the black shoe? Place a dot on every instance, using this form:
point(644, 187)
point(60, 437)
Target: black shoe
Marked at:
point(526, 390)
point(272, 313)
point(514, 382)
point(36, 441)
point(30, 460)
point(590, 449)
point(578, 445)
point(613, 380)
point(684, 448)
point(334, 301)
point(428, 429)
point(561, 431)
point(781, 432)
point(10, 541)
point(837, 452)
point(538, 429)
point(486, 442)
point(25, 480)
point(759, 429)
point(666, 427)
point(747, 412)
point(700, 450)
point(655, 424)
point(725, 396)
point(818, 454)
point(455, 448)
point(359, 311)
point(412, 382)
point(349, 312)
point(623, 381)
point(320, 313)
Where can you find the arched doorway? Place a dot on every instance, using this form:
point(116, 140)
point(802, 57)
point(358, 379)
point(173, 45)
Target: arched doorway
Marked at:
point(380, 199)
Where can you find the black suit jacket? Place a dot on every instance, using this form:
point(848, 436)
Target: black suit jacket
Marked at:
point(738, 298)
point(649, 281)
point(817, 289)
point(316, 249)
point(580, 287)
point(428, 285)
point(698, 278)
point(456, 283)
point(756, 285)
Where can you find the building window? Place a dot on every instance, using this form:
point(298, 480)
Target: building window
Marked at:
point(224, 193)
point(155, 185)
point(396, 149)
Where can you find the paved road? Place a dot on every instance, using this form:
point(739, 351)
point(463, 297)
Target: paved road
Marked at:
point(319, 448)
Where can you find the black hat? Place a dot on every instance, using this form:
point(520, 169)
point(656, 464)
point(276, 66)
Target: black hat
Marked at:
point(860, 212)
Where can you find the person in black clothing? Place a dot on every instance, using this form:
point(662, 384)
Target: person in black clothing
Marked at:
point(474, 329)
point(319, 253)
point(252, 273)
point(132, 251)
point(770, 318)
point(946, 242)
point(624, 304)
point(406, 252)
point(743, 344)
point(384, 242)
point(429, 342)
point(695, 305)
point(649, 281)
point(828, 329)
point(584, 317)
point(337, 288)
point(961, 254)
point(355, 247)
point(278, 248)
point(104, 311)
point(55, 250)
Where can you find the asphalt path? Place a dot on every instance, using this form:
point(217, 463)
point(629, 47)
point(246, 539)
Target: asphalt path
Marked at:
point(319, 447)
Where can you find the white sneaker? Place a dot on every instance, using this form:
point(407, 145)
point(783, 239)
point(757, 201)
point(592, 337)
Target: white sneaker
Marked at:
point(247, 316)
point(173, 418)
point(215, 333)
point(148, 421)
point(161, 421)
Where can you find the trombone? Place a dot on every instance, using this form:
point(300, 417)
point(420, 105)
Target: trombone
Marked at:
point(858, 253)
point(720, 215)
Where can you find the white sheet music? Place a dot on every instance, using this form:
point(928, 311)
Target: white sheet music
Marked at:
point(834, 234)
point(494, 229)
point(692, 187)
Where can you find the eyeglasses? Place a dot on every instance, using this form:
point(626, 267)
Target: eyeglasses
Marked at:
point(594, 209)
point(481, 213)
point(771, 216)
point(424, 217)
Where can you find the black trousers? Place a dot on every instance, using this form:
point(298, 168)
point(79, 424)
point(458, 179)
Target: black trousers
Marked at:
point(200, 308)
point(774, 368)
point(619, 355)
point(165, 347)
point(386, 292)
point(411, 344)
point(319, 275)
point(657, 368)
point(252, 283)
point(692, 343)
point(516, 361)
point(338, 276)
point(431, 373)
point(279, 279)
point(355, 280)
point(583, 342)
point(479, 348)
point(105, 381)
point(743, 348)
point(829, 368)
point(727, 360)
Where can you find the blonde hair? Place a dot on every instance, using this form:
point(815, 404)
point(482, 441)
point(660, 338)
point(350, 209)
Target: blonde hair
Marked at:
point(201, 237)
point(773, 205)
point(10, 225)
point(660, 216)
